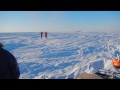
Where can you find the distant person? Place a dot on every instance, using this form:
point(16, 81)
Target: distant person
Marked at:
point(41, 34)
point(45, 34)
point(9, 68)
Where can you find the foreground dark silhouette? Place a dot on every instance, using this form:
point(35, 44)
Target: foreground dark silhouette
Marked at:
point(9, 68)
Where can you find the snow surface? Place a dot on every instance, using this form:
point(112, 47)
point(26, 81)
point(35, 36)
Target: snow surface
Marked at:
point(62, 55)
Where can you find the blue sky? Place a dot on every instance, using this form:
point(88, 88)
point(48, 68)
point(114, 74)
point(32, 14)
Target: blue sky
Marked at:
point(59, 21)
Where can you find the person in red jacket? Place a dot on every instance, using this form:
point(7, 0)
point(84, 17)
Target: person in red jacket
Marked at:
point(45, 34)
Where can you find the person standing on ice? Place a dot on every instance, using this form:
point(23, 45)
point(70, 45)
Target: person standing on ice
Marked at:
point(45, 34)
point(41, 34)
point(9, 68)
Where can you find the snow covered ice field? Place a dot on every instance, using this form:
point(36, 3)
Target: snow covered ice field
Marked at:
point(63, 54)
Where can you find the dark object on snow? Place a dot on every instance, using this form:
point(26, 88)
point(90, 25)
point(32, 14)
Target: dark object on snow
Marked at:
point(103, 75)
point(107, 74)
point(9, 68)
point(70, 78)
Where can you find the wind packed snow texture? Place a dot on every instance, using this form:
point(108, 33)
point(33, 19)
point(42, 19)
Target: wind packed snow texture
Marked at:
point(62, 55)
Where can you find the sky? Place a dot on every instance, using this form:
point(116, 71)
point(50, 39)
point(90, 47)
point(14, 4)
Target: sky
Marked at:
point(59, 21)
